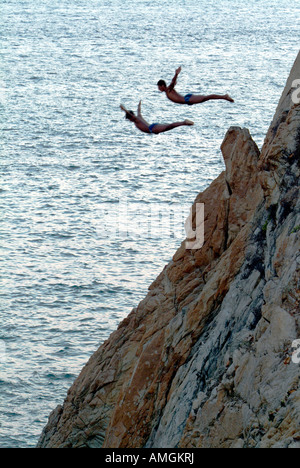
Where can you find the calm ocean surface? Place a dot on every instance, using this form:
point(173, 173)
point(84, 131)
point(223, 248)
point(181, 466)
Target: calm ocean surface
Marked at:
point(82, 191)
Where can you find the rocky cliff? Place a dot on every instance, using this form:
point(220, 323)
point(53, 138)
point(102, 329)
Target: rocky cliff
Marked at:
point(205, 360)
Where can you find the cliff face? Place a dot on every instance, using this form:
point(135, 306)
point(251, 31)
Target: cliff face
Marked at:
point(205, 360)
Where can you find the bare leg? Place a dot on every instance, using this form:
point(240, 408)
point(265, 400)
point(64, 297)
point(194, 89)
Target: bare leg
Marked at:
point(199, 99)
point(160, 128)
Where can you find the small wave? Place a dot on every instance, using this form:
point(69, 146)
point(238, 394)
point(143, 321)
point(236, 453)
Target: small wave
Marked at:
point(36, 78)
point(73, 167)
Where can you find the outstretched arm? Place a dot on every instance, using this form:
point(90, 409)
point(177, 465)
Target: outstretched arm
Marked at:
point(124, 109)
point(174, 80)
point(139, 113)
point(127, 112)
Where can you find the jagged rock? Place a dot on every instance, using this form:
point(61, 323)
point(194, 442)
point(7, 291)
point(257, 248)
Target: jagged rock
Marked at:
point(205, 358)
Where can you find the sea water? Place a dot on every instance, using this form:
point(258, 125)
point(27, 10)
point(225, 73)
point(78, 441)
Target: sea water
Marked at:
point(92, 209)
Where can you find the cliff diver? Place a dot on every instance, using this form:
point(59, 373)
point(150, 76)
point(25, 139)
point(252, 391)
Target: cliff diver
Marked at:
point(155, 128)
point(189, 99)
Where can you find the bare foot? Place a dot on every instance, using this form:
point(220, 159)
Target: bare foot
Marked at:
point(188, 122)
point(228, 98)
